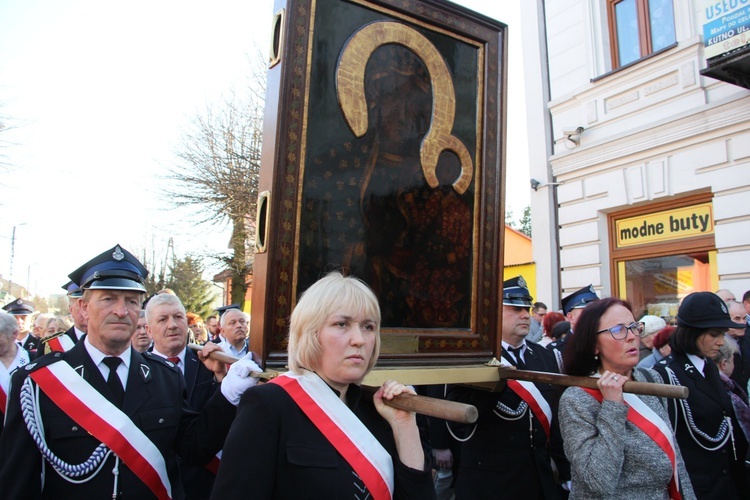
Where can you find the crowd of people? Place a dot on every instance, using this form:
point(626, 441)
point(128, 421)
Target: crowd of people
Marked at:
point(122, 398)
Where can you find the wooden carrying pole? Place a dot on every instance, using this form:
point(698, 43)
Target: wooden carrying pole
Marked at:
point(432, 407)
point(644, 388)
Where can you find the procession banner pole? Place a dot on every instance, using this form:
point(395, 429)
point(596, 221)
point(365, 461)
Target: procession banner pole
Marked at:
point(432, 407)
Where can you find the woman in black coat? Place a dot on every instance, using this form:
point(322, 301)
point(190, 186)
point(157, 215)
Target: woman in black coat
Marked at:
point(708, 434)
point(311, 433)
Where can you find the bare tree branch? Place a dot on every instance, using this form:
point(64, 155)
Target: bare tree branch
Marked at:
point(217, 171)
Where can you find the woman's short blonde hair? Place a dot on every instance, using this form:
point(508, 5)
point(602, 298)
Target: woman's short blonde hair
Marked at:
point(330, 294)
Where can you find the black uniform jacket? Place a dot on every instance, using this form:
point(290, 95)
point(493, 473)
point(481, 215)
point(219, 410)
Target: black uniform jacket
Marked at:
point(154, 401)
point(201, 386)
point(292, 459)
point(714, 474)
point(509, 455)
point(30, 344)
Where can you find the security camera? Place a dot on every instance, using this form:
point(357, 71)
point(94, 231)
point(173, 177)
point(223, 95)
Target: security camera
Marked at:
point(535, 184)
point(577, 131)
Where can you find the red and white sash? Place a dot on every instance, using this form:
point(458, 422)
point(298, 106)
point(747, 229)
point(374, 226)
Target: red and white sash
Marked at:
point(350, 437)
point(643, 417)
point(103, 420)
point(61, 343)
point(531, 395)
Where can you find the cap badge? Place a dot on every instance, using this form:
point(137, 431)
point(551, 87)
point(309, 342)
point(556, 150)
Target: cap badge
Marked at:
point(117, 254)
point(724, 308)
point(591, 289)
point(19, 302)
point(521, 282)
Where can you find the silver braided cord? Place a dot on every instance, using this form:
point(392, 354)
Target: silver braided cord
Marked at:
point(722, 435)
point(507, 413)
point(33, 419)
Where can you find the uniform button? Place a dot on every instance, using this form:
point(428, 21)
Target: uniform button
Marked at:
point(74, 428)
point(161, 420)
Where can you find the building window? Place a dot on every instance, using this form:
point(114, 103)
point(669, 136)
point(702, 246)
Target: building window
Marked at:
point(638, 28)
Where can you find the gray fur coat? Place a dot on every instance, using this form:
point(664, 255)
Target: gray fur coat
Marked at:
point(612, 458)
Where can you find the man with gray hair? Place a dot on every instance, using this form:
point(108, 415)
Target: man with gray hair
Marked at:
point(166, 324)
point(11, 357)
point(235, 328)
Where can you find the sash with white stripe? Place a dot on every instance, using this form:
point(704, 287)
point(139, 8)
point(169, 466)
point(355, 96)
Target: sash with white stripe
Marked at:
point(103, 420)
point(58, 343)
point(350, 437)
point(643, 417)
point(531, 395)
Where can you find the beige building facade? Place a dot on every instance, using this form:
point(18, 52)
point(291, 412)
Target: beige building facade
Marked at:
point(643, 162)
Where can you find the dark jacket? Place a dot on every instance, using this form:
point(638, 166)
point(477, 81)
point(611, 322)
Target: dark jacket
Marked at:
point(201, 386)
point(30, 344)
point(510, 454)
point(741, 373)
point(274, 451)
point(154, 401)
point(714, 474)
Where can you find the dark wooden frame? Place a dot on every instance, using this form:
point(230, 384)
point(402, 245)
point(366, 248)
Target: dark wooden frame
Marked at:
point(274, 290)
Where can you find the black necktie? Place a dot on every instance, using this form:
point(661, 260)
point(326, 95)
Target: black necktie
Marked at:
point(113, 380)
point(516, 352)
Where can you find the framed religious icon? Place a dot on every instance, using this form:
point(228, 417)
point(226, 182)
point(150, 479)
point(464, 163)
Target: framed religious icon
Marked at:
point(383, 157)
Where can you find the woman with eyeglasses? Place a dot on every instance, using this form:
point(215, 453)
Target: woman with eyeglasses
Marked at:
point(706, 427)
point(619, 445)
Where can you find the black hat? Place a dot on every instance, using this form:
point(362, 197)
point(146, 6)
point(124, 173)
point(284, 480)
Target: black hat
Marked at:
point(19, 307)
point(72, 289)
point(115, 269)
point(579, 299)
point(705, 310)
point(221, 310)
point(515, 293)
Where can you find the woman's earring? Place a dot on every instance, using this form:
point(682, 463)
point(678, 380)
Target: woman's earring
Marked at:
point(596, 357)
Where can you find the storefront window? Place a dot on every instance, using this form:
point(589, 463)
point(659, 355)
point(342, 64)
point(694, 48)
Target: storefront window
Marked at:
point(657, 285)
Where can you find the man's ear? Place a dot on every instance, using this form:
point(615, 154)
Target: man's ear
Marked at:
point(84, 306)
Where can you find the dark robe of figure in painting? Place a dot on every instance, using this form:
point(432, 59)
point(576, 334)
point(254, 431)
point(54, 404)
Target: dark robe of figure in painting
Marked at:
point(368, 208)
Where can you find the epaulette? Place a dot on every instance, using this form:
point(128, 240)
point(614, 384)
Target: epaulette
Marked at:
point(44, 343)
point(41, 362)
point(153, 357)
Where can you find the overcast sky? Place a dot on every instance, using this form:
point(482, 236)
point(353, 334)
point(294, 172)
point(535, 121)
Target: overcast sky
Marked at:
point(98, 94)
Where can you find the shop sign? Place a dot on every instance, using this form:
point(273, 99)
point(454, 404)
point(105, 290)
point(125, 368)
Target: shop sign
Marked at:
point(674, 224)
point(726, 26)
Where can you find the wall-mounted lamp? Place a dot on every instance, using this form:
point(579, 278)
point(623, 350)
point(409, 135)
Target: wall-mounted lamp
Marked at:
point(535, 184)
point(573, 136)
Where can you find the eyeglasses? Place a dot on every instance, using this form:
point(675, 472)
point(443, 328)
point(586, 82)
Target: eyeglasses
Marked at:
point(620, 332)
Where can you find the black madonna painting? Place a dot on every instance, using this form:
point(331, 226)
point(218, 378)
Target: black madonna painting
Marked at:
point(389, 187)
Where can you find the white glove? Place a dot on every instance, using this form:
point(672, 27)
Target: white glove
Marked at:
point(238, 379)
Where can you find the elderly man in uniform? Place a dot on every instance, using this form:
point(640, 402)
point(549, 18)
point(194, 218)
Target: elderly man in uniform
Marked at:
point(166, 321)
point(102, 420)
point(508, 453)
point(21, 310)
